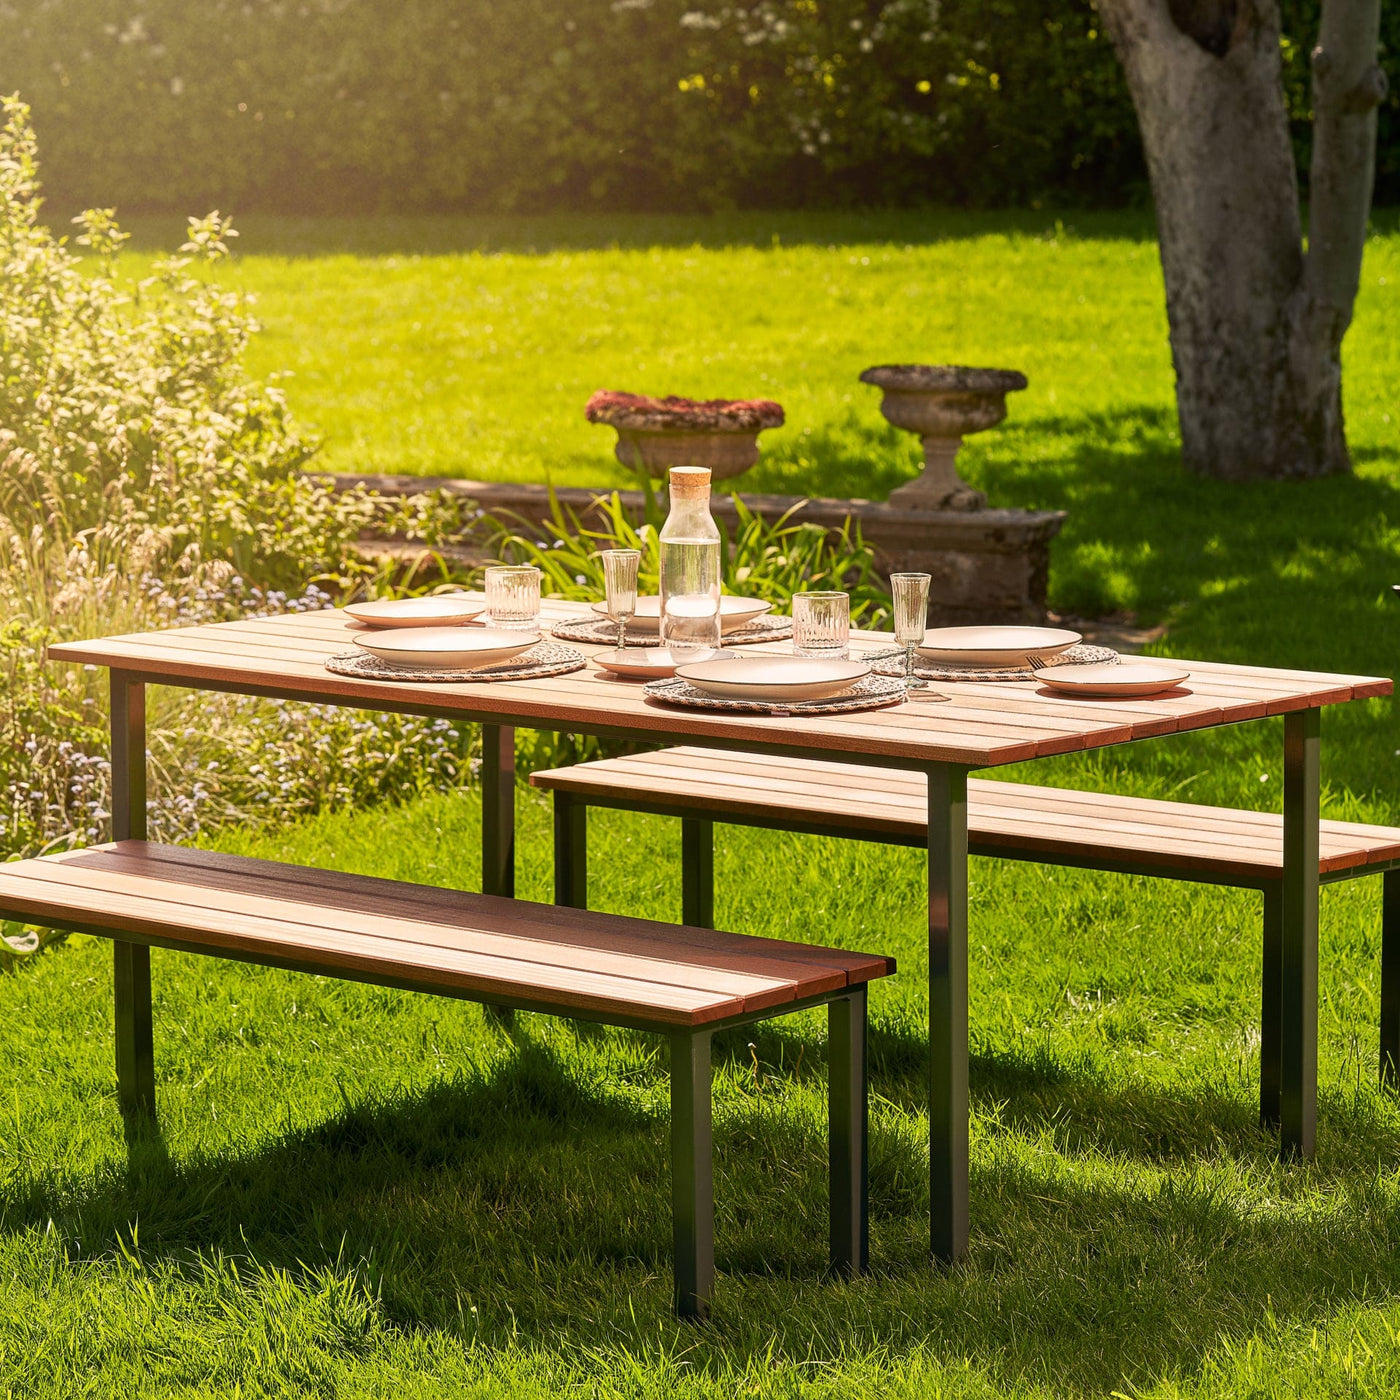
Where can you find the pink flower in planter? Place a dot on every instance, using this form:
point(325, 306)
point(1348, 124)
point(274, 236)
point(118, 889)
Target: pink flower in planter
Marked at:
point(676, 414)
point(657, 433)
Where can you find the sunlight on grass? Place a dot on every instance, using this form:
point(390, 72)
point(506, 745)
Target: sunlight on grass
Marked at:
point(359, 1192)
point(468, 347)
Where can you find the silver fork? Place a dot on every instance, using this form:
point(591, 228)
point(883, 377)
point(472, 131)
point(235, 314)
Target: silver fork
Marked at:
point(1037, 663)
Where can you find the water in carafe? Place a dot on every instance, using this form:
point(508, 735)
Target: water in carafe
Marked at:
point(690, 565)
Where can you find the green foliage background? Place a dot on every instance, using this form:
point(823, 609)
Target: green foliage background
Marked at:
point(363, 105)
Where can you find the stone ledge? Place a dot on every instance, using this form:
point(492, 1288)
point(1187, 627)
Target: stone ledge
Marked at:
point(987, 565)
point(992, 530)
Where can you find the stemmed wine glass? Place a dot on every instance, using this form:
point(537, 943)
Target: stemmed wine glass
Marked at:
point(620, 581)
point(910, 592)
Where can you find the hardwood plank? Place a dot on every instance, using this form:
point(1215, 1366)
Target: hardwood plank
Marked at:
point(1009, 815)
point(27, 896)
point(298, 919)
point(584, 928)
point(983, 726)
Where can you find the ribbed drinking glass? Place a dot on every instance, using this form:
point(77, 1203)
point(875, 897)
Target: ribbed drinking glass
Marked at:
point(821, 624)
point(513, 597)
point(620, 583)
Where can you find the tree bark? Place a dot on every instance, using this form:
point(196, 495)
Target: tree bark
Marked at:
point(1256, 323)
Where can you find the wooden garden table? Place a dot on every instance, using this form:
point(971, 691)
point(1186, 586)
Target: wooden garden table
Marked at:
point(984, 725)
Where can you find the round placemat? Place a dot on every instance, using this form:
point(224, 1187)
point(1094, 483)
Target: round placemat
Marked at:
point(601, 632)
point(1082, 654)
point(870, 693)
point(547, 659)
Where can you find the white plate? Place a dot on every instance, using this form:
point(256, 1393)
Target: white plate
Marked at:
point(434, 610)
point(651, 663)
point(773, 677)
point(447, 648)
point(1126, 678)
point(994, 646)
point(733, 612)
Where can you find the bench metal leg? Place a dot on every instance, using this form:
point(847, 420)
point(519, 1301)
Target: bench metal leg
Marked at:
point(1298, 981)
point(1271, 1010)
point(697, 872)
point(136, 1065)
point(1390, 980)
point(947, 977)
point(848, 1129)
point(131, 969)
point(498, 826)
point(692, 1173)
point(570, 851)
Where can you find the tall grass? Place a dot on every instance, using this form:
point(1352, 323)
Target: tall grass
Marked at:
point(760, 558)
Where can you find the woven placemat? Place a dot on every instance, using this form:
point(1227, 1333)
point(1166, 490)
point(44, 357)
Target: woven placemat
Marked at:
point(602, 632)
point(1081, 654)
point(870, 693)
point(547, 659)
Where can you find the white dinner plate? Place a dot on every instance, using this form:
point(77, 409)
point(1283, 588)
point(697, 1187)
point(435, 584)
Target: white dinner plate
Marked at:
point(433, 610)
point(651, 663)
point(733, 612)
point(1125, 678)
point(773, 677)
point(447, 648)
point(994, 646)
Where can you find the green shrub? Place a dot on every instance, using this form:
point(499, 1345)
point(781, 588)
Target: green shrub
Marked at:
point(541, 104)
point(146, 482)
point(393, 105)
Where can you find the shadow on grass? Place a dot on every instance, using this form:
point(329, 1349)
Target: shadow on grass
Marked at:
point(1227, 560)
point(542, 1198)
point(1287, 574)
point(1083, 1106)
point(445, 234)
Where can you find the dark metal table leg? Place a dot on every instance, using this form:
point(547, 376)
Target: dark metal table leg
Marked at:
point(570, 851)
point(947, 987)
point(1298, 941)
point(498, 810)
point(1390, 979)
point(1271, 1009)
point(135, 1047)
point(692, 1173)
point(697, 872)
point(848, 1134)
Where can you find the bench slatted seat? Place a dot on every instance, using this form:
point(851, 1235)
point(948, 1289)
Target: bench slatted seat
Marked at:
point(686, 982)
point(1099, 831)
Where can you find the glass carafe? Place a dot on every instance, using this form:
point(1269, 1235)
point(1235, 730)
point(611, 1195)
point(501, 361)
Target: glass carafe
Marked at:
point(690, 565)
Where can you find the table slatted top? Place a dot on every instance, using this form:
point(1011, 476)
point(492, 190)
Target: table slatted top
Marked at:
point(1008, 818)
point(430, 939)
point(983, 725)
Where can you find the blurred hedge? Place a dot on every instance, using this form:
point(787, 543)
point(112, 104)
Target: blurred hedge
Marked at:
point(494, 105)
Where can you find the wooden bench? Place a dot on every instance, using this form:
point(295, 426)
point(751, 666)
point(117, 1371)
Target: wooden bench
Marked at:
point(686, 983)
point(1096, 831)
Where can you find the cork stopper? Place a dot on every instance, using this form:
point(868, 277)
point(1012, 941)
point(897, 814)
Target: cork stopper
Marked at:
point(690, 483)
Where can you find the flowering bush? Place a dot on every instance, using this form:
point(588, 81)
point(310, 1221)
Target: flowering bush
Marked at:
point(145, 482)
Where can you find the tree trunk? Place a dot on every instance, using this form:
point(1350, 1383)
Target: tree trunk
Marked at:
point(1256, 324)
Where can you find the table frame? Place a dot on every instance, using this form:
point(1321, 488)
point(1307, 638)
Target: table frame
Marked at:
point(1290, 977)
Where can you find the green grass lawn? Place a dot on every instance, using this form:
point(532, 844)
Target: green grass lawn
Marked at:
point(360, 1192)
point(468, 347)
point(363, 1193)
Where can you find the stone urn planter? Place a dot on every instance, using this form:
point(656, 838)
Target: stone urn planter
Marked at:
point(942, 404)
point(657, 434)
